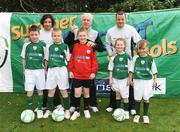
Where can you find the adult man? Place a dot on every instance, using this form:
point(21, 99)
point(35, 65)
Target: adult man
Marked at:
point(129, 33)
point(94, 41)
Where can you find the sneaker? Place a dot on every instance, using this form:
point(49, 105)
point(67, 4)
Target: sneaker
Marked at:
point(39, 114)
point(75, 116)
point(146, 119)
point(67, 114)
point(126, 114)
point(59, 107)
point(133, 112)
point(136, 118)
point(87, 114)
point(72, 109)
point(94, 109)
point(109, 109)
point(47, 114)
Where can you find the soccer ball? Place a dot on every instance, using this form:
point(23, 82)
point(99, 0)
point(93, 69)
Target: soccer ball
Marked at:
point(58, 115)
point(27, 116)
point(119, 114)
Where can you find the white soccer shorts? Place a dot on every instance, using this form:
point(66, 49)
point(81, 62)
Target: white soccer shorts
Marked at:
point(57, 76)
point(121, 86)
point(34, 78)
point(143, 89)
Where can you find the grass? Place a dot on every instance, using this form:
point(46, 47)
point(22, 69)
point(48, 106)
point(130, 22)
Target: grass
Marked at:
point(164, 116)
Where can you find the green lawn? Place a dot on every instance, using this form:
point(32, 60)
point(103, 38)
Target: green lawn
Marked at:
point(164, 116)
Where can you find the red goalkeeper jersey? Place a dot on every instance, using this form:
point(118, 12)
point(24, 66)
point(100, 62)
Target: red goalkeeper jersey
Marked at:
point(83, 61)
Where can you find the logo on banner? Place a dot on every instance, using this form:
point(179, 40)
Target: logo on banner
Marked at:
point(3, 51)
point(160, 88)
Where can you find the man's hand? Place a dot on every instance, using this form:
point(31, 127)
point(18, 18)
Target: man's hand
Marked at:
point(73, 28)
point(91, 44)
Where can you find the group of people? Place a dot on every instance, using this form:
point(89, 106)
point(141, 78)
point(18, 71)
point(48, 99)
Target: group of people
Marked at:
point(49, 62)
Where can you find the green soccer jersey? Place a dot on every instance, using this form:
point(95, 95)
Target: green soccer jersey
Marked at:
point(143, 67)
point(57, 55)
point(119, 66)
point(33, 53)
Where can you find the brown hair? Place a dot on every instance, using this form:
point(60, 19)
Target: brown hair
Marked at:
point(81, 30)
point(120, 13)
point(120, 39)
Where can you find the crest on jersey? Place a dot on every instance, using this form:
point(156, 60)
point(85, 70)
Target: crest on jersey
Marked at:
point(142, 62)
point(56, 49)
point(34, 47)
point(120, 59)
point(88, 51)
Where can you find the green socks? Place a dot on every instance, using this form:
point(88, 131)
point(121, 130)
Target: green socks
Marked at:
point(137, 106)
point(29, 102)
point(118, 103)
point(66, 103)
point(126, 106)
point(146, 107)
point(50, 103)
point(40, 102)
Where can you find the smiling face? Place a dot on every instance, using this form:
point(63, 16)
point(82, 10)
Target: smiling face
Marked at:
point(82, 36)
point(86, 21)
point(47, 25)
point(57, 36)
point(34, 36)
point(143, 50)
point(120, 46)
point(120, 20)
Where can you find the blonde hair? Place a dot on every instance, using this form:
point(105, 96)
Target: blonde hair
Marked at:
point(142, 43)
point(56, 30)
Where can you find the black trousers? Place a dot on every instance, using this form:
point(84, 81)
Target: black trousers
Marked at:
point(92, 100)
point(57, 99)
point(112, 102)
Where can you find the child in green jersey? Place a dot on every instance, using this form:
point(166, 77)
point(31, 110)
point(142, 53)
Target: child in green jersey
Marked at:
point(119, 74)
point(144, 71)
point(33, 62)
point(57, 55)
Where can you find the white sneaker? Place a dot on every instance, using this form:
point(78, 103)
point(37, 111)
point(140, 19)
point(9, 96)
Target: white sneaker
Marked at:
point(94, 109)
point(47, 114)
point(136, 118)
point(87, 114)
point(126, 114)
point(146, 119)
point(59, 107)
point(67, 114)
point(72, 109)
point(75, 116)
point(39, 114)
point(109, 109)
point(36, 109)
point(133, 112)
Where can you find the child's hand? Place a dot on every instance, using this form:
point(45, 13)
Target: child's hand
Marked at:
point(92, 76)
point(71, 75)
point(90, 44)
point(26, 40)
point(110, 81)
point(154, 84)
point(73, 28)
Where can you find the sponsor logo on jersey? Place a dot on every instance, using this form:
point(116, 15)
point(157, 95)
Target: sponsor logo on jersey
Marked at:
point(34, 47)
point(88, 51)
point(56, 49)
point(142, 62)
point(120, 59)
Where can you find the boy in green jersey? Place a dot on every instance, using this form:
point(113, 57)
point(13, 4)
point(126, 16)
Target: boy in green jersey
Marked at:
point(33, 62)
point(57, 56)
point(119, 74)
point(144, 71)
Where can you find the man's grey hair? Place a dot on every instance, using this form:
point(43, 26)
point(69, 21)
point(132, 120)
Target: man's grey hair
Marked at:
point(87, 14)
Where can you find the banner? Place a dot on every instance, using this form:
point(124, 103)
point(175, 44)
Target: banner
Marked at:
point(160, 28)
